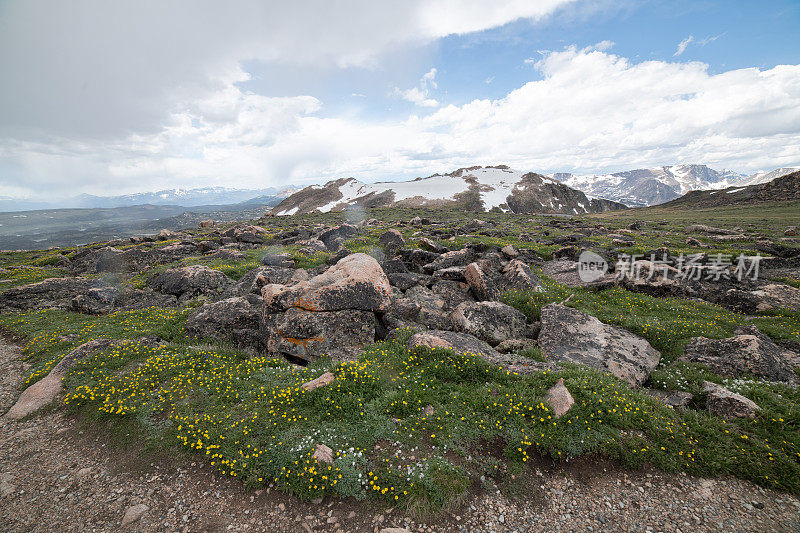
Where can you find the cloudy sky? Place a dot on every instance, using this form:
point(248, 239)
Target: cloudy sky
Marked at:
point(113, 97)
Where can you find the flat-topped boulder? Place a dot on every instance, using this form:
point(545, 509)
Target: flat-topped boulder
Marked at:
point(355, 282)
point(570, 335)
point(189, 281)
point(47, 294)
point(748, 352)
point(493, 322)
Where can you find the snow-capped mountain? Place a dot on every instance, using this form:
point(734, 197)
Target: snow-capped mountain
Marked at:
point(475, 188)
point(763, 176)
point(650, 186)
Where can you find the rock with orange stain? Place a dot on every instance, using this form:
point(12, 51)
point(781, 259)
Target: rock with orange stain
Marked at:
point(355, 282)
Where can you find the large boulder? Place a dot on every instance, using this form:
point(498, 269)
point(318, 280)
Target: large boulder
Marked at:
point(312, 334)
point(190, 281)
point(461, 343)
point(520, 276)
point(771, 297)
point(334, 238)
point(236, 319)
point(392, 240)
point(330, 314)
point(748, 351)
point(481, 285)
point(565, 272)
point(722, 402)
point(450, 259)
point(47, 294)
point(570, 335)
point(492, 322)
point(355, 282)
point(44, 391)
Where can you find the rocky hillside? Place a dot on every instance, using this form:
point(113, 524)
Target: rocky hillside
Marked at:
point(782, 189)
point(418, 358)
point(473, 188)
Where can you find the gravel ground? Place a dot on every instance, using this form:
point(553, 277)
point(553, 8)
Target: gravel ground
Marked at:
point(57, 474)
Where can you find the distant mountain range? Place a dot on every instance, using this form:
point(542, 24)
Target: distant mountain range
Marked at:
point(474, 189)
point(784, 188)
point(205, 196)
point(652, 186)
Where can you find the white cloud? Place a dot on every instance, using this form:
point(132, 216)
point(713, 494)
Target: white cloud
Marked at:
point(420, 95)
point(711, 38)
point(682, 45)
point(84, 116)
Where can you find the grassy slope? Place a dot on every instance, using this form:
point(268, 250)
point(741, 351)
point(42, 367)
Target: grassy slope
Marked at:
point(248, 416)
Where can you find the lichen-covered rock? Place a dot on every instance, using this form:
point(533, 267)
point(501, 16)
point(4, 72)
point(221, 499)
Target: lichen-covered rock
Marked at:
point(95, 301)
point(235, 319)
point(492, 322)
point(480, 284)
point(355, 282)
point(333, 238)
point(722, 402)
point(770, 297)
point(312, 334)
point(461, 343)
point(748, 351)
point(189, 281)
point(450, 259)
point(392, 239)
point(48, 294)
point(520, 276)
point(569, 335)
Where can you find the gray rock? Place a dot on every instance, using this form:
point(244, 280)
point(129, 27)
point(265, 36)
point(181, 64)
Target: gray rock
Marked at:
point(312, 334)
point(569, 335)
point(722, 402)
point(189, 281)
point(48, 294)
point(278, 260)
point(392, 240)
point(747, 351)
point(673, 398)
point(236, 319)
point(481, 285)
point(493, 322)
point(355, 282)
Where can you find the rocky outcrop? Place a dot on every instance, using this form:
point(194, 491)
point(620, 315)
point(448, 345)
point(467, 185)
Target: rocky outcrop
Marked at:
point(575, 337)
point(748, 351)
point(190, 281)
point(234, 319)
point(355, 282)
point(492, 322)
point(722, 402)
point(53, 293)
point(770, 297)
point(332, 314)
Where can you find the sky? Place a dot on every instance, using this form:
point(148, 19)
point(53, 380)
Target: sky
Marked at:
point(128, 96)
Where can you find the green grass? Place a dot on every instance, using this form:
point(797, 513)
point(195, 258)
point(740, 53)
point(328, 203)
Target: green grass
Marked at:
point(249, 418)
point(666, 323)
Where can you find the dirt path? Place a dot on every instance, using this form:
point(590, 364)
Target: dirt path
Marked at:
point(56, 475)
